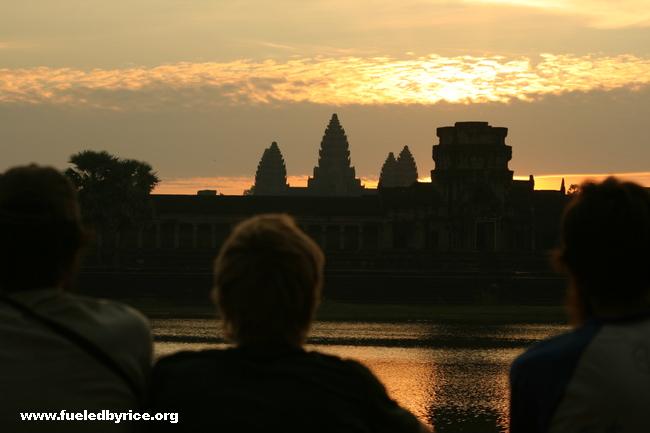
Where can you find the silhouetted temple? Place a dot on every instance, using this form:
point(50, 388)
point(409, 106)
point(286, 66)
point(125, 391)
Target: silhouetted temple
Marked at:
point(398, 172)
point(482, 201)
point(271, 175)
point(334, 176)
point(388, 174)
point(407, 171)
point(472, 215)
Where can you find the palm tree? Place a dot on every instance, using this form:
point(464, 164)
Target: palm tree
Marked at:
point(113, 192)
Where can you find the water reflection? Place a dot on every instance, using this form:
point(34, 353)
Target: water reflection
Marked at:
point(472, 390)
point(453, 377)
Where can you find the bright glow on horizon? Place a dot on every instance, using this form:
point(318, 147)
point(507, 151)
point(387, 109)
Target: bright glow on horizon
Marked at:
point(553, 181)
point(339, 81)
point(237, 185)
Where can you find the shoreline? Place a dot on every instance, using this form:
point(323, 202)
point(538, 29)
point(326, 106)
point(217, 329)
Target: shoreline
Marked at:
point(335, 311)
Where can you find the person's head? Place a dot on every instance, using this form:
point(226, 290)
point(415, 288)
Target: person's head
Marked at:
point(268, 278)
point(40, 229)
point(605, 246)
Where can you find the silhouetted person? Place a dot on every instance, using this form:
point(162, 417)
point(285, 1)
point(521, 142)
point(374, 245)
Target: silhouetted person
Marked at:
point(268, 278)
point(595, 378)
point(59, 351)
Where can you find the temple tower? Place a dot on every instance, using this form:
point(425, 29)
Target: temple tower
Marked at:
point(472, 175)
point(407, 171)
point(398, 172)
point(334, 175)
point(388, 175)
point(271, 175)
point(472, 155)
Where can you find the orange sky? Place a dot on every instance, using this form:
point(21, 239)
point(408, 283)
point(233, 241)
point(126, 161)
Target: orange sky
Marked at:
point(236, 185)
point(198, 88)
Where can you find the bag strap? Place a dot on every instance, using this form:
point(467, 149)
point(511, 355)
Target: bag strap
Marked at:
point(79, 340)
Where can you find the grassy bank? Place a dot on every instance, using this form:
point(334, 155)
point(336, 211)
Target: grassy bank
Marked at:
point(364, 312)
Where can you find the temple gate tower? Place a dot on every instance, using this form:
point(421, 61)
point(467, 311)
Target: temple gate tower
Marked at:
point(334, 175)
point(388, 174)
point(398, 172)
point(472, 175)
point(271, 175)
point(407, 170)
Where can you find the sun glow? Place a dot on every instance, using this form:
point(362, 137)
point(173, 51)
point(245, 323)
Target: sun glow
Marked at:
point(332, 81)
point(553, 181)
point(234, 185)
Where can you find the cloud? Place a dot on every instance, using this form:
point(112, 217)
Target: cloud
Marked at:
point(13, 45)
point(606, 14)
point(276, 45)
point(331, 81)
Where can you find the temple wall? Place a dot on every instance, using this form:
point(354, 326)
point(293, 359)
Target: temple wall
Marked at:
point(381, 238)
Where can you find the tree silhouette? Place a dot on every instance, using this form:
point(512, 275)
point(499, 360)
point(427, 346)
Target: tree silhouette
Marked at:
point(113, 192)
point(574, 188)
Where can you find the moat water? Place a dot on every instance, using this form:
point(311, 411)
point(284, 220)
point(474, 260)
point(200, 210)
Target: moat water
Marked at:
point(453, 377)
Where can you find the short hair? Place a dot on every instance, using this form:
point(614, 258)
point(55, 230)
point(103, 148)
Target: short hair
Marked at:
point(605, 241)
point(268, 279)
point(40, 228)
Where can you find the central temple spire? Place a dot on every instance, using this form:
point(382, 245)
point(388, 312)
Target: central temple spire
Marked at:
point(334, 175)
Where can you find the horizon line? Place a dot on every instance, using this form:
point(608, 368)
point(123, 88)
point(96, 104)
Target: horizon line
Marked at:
point(236, 185)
